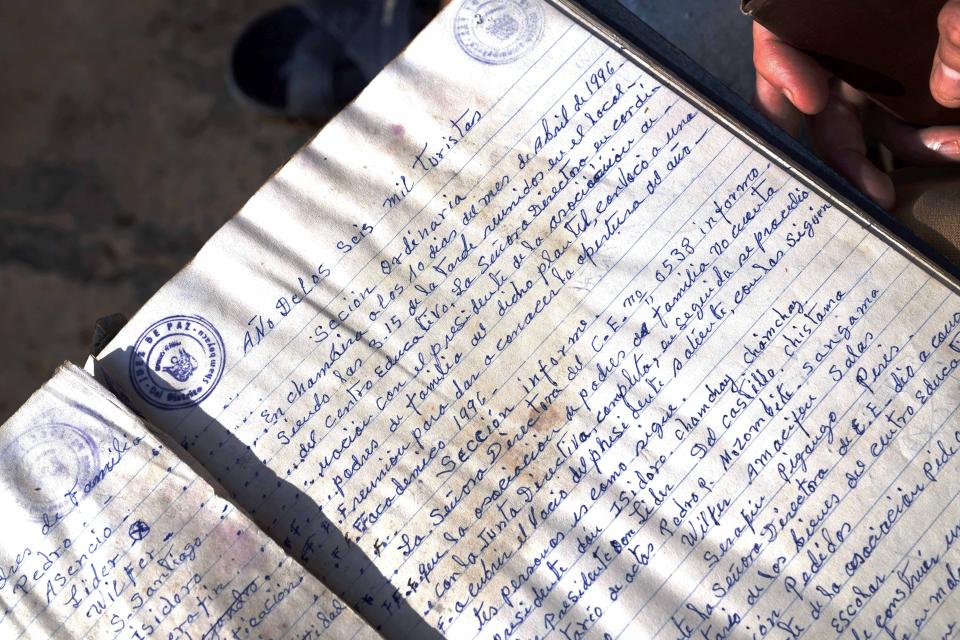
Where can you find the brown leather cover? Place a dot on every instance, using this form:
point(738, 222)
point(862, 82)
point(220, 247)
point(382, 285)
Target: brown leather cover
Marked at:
point(928, 202)
point(882, 47)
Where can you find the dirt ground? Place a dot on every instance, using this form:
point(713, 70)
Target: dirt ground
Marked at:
point(123, 151)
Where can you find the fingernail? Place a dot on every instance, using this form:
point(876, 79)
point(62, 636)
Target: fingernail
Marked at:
point(949, 148)
point(947, 79)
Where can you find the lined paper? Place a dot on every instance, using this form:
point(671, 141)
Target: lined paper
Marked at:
point(555, 353)
point(109, 533)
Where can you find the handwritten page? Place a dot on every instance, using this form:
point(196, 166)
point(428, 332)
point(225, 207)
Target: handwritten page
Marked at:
point(525, 344)
point(107, 533)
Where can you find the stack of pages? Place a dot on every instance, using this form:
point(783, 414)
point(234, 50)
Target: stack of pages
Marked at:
point(528, 342)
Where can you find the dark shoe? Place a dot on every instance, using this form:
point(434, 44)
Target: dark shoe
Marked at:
point(309, 60)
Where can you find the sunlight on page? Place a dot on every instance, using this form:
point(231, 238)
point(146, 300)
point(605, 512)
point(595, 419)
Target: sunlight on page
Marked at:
point(524, 344)
point(107, 533)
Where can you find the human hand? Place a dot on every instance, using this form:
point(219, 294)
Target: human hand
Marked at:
point(945, 76)
point(792, 86)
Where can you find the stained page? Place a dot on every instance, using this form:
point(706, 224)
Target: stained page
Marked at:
point(553, 352)
point(108, 533)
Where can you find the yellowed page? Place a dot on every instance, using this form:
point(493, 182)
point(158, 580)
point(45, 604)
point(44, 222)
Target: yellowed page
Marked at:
point(525, 344)
point(107, 533)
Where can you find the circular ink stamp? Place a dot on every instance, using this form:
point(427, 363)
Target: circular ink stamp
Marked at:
point(498, 31)
point(48, 466)
point(177, 362)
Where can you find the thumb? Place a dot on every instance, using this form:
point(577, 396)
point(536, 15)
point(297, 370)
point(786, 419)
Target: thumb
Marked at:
point(945, 77)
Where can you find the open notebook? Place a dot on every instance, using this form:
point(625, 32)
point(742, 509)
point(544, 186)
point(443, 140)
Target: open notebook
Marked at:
point(530, 341)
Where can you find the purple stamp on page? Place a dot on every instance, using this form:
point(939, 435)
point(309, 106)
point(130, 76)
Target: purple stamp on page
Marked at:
point(498, 31)
point(47, 468)
point(177, 362)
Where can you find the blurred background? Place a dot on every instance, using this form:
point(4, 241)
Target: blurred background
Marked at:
point(123, 151)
